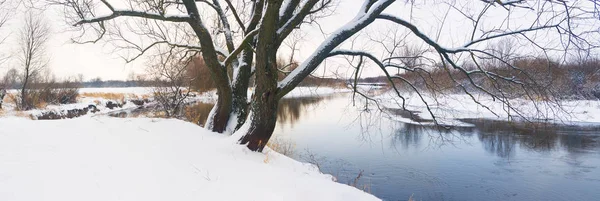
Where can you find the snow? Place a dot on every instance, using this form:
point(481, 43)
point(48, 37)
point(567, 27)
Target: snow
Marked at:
point(315, 91)
point(211, 117)
point(448, 109)
point(102, 158)
point(333, 40)
point(123, 90)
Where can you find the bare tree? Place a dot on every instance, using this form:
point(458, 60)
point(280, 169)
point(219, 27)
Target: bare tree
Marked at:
point(32, 54)
point(247, 36)
point(9, 81)
point(4, 15)
point(174, 87)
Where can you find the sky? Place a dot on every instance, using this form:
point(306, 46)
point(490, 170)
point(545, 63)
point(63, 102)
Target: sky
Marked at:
point(100, 60)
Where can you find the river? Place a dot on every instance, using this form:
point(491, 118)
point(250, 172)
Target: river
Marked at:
point(495, 160)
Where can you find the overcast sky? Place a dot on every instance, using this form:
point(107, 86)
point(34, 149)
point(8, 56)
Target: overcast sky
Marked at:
point(98, 60)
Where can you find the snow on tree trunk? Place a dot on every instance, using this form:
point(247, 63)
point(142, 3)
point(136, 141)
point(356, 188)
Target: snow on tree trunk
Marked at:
point(264, 102)
point(2, 94)
point(219, 115)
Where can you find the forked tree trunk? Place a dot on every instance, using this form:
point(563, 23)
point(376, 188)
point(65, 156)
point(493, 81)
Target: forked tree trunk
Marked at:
point(264, 102)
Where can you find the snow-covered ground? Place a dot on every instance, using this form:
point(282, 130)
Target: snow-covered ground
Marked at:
point(315, 91)
point(123, 90)
point(102, 158)
point(449, 108)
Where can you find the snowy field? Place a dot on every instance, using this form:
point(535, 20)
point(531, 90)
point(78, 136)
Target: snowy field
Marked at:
point(123, 90)
point(102, 158)
point(449, 108)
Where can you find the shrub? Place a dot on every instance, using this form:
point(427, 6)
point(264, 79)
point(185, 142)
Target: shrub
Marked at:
point(199, 74)
point(38, 95)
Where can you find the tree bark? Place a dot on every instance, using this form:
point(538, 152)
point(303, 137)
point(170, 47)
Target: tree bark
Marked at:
point(218, 120)
point(264, 102)
point(240, 89)
point(24, 92)
point(2, 93)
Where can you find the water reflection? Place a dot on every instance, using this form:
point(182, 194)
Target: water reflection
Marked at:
point(291, 109)
point(501, 138)
point(493, 160)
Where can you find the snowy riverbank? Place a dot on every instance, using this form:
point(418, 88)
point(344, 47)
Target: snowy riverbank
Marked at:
point(102, 158)
point(99, 97)
point(449, 109)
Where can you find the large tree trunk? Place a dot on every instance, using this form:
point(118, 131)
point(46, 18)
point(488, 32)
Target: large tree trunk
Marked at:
point(240, 90)
point(264, 102)
point(263, 107)
point(220, 114)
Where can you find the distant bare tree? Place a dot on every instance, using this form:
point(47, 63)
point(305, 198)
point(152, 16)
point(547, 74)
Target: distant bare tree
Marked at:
point(32, 53)
point(3, 19)
point(8, 81)
point(4, 15)
point(173, 85)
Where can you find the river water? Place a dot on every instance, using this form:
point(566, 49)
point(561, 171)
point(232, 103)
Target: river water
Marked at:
point(493, 161)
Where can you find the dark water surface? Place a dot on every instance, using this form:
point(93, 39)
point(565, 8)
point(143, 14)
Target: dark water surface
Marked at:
point(493, 161)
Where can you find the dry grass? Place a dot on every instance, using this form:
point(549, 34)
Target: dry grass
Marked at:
point(107, 95)
point(283, 146)
point(197, 113)
point(40, 104)
point(11, 98)
point(23, 114)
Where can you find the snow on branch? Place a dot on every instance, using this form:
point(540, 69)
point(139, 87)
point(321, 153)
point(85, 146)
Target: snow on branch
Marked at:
point(361, 21)
point(132, 13)
point(249, 37)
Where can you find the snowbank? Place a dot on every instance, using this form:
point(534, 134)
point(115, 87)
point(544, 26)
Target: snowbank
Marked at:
point(122, 90)
point(102, 158)
point(449, 108)
point(315, 91)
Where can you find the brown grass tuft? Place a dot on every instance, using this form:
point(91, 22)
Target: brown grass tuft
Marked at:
point(23, 114)
point(197, 113)
point(108, 95)
point(283, 146)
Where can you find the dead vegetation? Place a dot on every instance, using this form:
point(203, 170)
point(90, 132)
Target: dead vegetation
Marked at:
point(283, 146)
point(197, 113)
point(107, 95)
